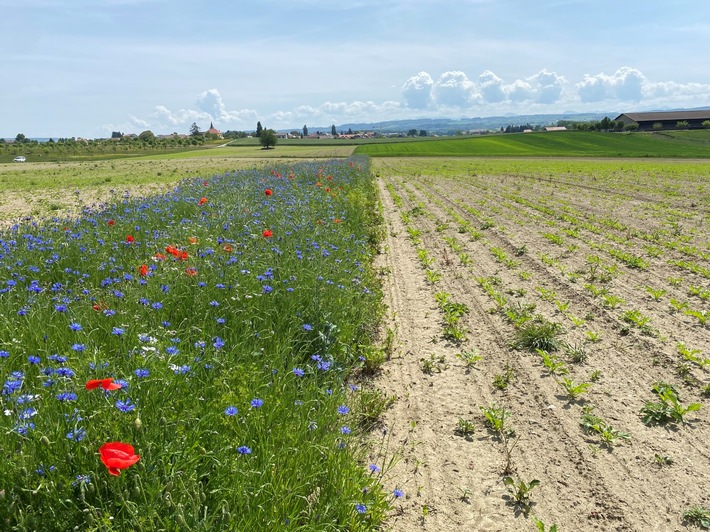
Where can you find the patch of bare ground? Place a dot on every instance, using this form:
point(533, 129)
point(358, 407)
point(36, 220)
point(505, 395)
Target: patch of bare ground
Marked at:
point(494, 232)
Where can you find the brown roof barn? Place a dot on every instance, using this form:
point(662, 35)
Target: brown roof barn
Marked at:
point(666, 119)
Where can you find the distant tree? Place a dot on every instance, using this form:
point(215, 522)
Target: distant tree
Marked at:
point(705, 124)
point(350, 131)
point(657, 126)
point(194, 129)
point(618, 125)
point(333, 131)
point(259, 129)
point(147, 136)
point(681, 124)
point(268, 138)
point(20, 138)
point(631, 127)
point(305, 130)
point(422, 133)
point(116, 134)
point(606, 124)
point(412, 133)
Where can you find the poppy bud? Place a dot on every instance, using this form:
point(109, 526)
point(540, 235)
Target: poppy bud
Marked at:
point(45, 441)
point(138, 423)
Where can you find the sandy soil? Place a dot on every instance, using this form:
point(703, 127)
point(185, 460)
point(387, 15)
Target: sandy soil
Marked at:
point(454, 482)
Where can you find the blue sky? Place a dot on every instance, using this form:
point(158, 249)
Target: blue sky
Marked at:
point(89, 67)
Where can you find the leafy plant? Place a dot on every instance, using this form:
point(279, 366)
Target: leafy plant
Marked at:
point(572, 389)
point(539, 333)
point(612, 301)
point(502, 380)
point(576, 353)
point(464, 427)
point(697, 516)
point(656, 293)
point(668, 409)
point(594, 336)
point(434, 364)
point(541, 526)
point(433, 276)
point(553, 364)
point(496, 418)
point(593, 424)
point(470, 357)
point(520, 492)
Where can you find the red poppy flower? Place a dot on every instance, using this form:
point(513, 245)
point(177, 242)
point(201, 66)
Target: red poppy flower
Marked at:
point(116, 456)
point(100, 306)
point(268, 192)
point(337, 220)
point(191, 272)
point(130, 239)
point(182, 255)
point(159, 256)
point(192, 240)
point(111, 223)
point(143, 270)
point(106, 384)
point(202, 201)
point(227, 248)
point(205, 183)
point(267, 233)
point(327, 189)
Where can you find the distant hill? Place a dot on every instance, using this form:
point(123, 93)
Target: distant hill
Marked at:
point(450, 126)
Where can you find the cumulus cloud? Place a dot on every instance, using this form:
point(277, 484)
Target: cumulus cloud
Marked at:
point(454, 89)
point(548, 86)
point(491, 87)
point(210, 102)
point(417, 91)
point(626, 84)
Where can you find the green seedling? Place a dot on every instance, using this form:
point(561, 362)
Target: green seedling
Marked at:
point(496, 419)
point(470, 358)
point(553, 364)
point(576, 353)
point(668, 409)
point(594, 336)
point(539, 334)
point(592, 424)
point(656, 293)
point(520, 492)
point(697, 516)
point(433, 276)
point(464, 427)
point(572, 389)
point(502, 380)
point(541, 527)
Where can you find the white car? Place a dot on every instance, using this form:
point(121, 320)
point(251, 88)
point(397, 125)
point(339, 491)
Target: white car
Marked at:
point(19, 159)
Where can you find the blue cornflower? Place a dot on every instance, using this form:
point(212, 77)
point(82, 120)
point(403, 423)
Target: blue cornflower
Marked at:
point(81, 479)
point(144, 301)
point(256, 403)
point(125, 406)
point(218, 343)
point(166, 324)
point(200, 344)
point(118, 331)
point(221, 321)
point(181, 370)
point(374, 468)
point(123, 384)
point(109, 312)
point(172, 350)
point(157, 305)
point(61, 359)
point(64, 372)
point(141, 372)
point(360, 508)
point(27, 413)
point(267, 289)
point(34, 359)
point(77, 435)
point(75, 326)
point(214, 303)
point(4, 354)
point(66, 396)
point(78, 347)
point(345, 430)
point(41, 471)
point(307, 327)
point(231, 411)
point(324, 365)
point(244, 450)
point(60, 308)
point(298, 372)
point(343, 410)
point(398, 493)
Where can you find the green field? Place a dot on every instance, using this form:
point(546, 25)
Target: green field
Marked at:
point(685, 144)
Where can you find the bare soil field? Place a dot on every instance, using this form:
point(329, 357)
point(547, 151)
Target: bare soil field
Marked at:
point(552, 324)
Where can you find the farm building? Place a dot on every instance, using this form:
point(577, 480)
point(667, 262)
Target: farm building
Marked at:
point(667, 119)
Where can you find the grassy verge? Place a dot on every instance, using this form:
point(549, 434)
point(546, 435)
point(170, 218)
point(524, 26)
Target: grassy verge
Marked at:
point(229, 319)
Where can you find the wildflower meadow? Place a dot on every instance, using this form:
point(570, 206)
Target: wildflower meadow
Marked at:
point(183, 361)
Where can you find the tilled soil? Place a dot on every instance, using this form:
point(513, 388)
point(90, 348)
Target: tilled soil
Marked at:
point(455, 482)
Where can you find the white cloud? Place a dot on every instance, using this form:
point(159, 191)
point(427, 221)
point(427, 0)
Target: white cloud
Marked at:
point(417, 91)
point(548, 86)
point(626, 84)
point(491, 87)
point(454, 89)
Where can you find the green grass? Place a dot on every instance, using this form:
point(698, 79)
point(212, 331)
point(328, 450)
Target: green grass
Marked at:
point(684, 144)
